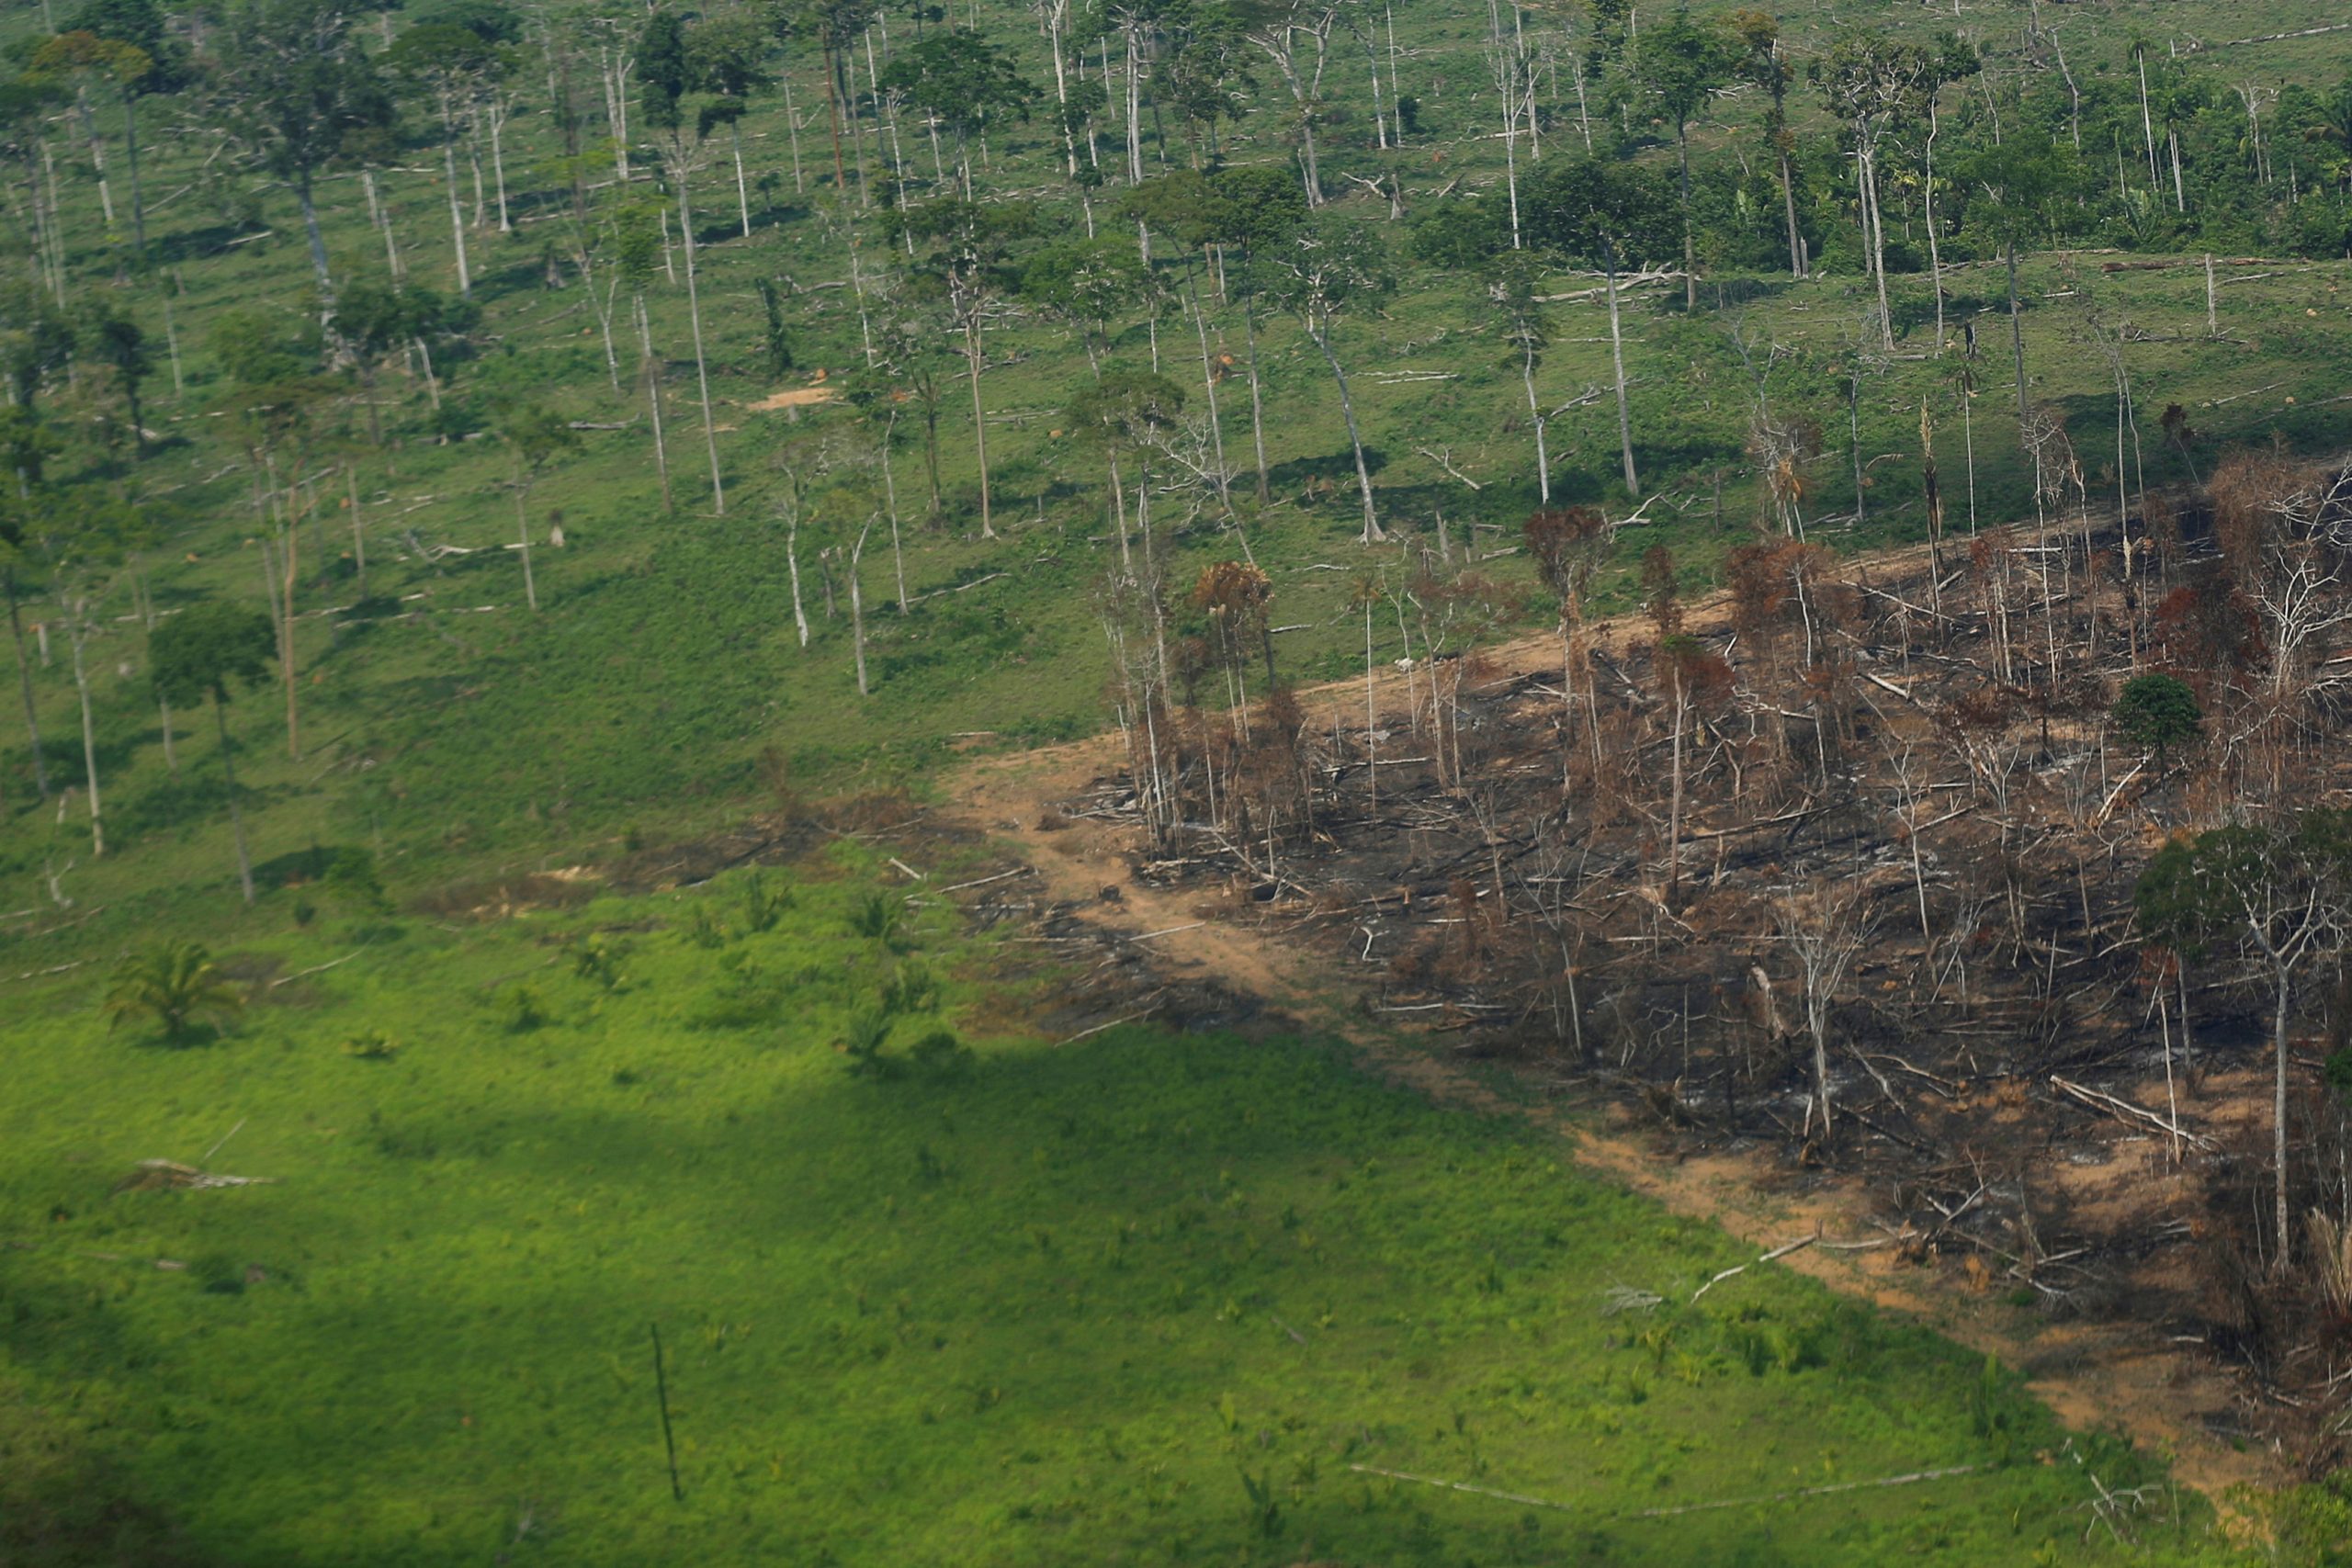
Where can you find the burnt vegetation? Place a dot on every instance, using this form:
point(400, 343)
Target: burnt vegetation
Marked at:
point(2004, 879)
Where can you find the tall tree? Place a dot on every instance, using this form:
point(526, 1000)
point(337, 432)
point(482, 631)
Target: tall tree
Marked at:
point(729, 56)
point(199, 653)
point(534, 436)
point(292, 85)
point(1588, 209)
point(683, 137)
point(960, 80)
point(2019, 184)
point(2275, 898)
point(1319, 272)
point(454, 67)
point(966, 262)
point(115, 341)
point(1682, 62)
point(1763, 65)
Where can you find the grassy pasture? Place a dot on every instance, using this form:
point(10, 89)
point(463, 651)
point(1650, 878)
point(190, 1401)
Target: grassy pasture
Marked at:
point(1039, 1303)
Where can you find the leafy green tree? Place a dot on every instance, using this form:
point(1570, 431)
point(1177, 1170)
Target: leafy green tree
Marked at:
point(836, 24)
point(1682, 62)
point(728, 55)
point(534, 435)
point(1088, 284)
point(84, 61)
point(198, 654)
point(455, 68)
point(1763, 64)
point(1590, 211)
point(293, 86)
point(2019, 185)
point(14, 550)
point(2157, 713)
point(964, 260)
point(960, 80)
point(115, 341)
point(177, 984)
point(1318, 273)
point(1126, 411)
point(1202, 69)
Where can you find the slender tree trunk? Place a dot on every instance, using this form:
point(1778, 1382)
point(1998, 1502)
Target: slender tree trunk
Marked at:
point(1617, 357)
point(236, 813)
point(1789, 212)
point(792, 561)
point(523, 533)
point(650, 373)
point(1689, 250)
point(833, 113)
point(1373, 532)
point(1208, 384)
point(78, 633)
point(742, 192)
point(130, 147)
point(980, 421)
point(1875, 230)
point(1934, 251)
point(1674, 809)
point(792, 128)
point(2279, 1119)
point(2017, 333)
point(1257, 399)
point(358, 534)
point(25, 685)
point(857, 608)
point(457, 212)
point(702, 367)
point(1535, 417)
point(286, 644)
point(318, 247)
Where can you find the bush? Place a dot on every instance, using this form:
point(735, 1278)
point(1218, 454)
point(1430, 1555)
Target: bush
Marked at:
point(522, 1008)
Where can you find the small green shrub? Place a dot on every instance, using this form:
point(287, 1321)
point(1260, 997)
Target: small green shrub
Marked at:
point(862, 1040)
point(910, 988)
point(371, 1045)
point(522, 1008)
point(764, 904)
point(878, 916)
point(940, 1054)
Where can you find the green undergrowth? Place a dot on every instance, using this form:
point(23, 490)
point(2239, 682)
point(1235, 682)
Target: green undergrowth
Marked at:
point(932, 1288)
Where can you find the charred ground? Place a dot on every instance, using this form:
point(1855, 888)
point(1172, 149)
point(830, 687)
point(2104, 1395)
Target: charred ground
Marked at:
point(1835, 873)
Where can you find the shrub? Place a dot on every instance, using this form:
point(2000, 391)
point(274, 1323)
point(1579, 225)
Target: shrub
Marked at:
point(2157, 713)
point(374, 1045)
point(522, 1008)
point(910, 989)
point(878, 916)
point(177, 984)
point(940, 1053)
point(764, 906)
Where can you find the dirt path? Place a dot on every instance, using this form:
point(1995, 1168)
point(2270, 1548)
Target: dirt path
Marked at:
point(2093, 1374)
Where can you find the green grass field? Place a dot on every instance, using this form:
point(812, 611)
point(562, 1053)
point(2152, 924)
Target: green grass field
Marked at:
point(1146, 1298)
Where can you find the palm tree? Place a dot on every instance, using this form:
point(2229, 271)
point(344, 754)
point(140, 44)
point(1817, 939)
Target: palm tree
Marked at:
point(174, 985)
